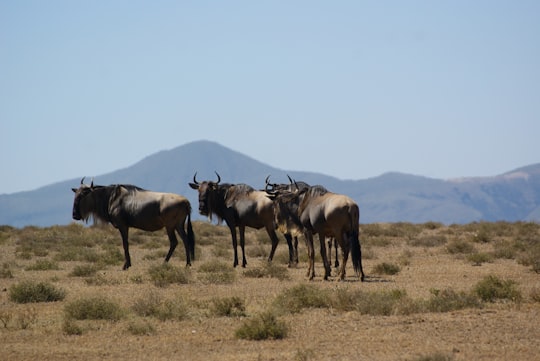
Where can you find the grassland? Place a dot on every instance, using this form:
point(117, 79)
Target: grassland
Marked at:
point(432, 292)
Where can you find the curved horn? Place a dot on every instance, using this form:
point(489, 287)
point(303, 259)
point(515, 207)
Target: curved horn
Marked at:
point(82, 180)
point(268, 185)
point(290, 180)
point(218, 178)
point(92, 183)
point(195, 180)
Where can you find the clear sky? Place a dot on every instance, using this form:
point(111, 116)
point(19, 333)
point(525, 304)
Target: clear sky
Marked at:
point(351, 89)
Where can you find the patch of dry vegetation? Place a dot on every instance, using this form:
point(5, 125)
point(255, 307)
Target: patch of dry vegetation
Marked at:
point(65, 281)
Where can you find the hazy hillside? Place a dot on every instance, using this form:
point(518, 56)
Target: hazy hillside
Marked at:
point(391, 197)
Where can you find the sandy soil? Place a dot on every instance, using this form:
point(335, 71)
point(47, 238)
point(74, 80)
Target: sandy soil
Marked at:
point(498, 331)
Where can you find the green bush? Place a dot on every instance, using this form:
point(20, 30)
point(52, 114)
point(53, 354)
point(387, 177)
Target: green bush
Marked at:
point(94, 308)
point(262, 327)
point(30, 291)
point(492, 288)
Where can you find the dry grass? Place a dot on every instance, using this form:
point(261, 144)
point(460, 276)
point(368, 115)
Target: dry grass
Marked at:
point(460, 292)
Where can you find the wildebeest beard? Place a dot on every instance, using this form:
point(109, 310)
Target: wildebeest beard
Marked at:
point(94, 203)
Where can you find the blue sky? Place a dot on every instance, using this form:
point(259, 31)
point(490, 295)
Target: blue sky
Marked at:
point(351, 89)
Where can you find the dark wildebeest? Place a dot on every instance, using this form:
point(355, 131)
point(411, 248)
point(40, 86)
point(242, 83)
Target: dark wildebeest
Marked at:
point(240, 206)
point(326, 214)
point(127, 206)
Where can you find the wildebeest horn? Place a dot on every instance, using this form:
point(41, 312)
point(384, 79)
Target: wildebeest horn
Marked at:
point(92, 183)
point(290, 180)
point(195, 180)
point(267, 184)
point(218, 178)
point(82, 180)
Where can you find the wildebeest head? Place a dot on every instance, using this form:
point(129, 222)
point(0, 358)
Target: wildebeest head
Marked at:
point(286, 200)
point(207, 193)
point(82, 204)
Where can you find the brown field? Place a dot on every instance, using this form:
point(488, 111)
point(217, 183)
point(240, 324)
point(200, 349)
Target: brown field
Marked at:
point(181, 319)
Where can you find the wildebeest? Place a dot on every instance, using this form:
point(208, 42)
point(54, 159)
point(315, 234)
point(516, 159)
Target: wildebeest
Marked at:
point(240, 206)
point(326, 214)
point(285, 227)
point(127, 206)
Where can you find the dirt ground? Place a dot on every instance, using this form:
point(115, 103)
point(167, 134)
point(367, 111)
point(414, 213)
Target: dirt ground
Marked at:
point(498, 331)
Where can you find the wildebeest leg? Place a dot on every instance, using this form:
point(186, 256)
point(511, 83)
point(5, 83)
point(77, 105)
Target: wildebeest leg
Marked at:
point(295, 246)
point(234, 244)
point(242, 230)
point(345, 247)
point(336, 264)
point(275, 240)
point(183, 235)
point(293, 249)
point(173, 242)
point(311, 256)
point(124, 232)
point(330, 241)
point(326, 263)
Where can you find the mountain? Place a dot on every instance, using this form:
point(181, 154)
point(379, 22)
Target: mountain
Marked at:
point(391, 197)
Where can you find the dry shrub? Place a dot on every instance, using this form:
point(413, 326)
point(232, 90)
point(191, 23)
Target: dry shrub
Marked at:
point(216, 272)
point(94, 308)
point(165, 274)
point(385, 268)
point(449, 300)
point(492, 288)
point(30, 292)
point(72, 328)
point(295, 299)
point(141, 328)
point(152, 305)
point(228, 307)
point(480, 257)
point(459, 246)
point(5, 271)
point(85, 270)
point(263, 326)
point(268, 270)
point(378, 303)
point(43, 265)
point(428, 241)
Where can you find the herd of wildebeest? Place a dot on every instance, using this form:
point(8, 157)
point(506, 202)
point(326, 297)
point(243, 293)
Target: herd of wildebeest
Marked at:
point(293, 208)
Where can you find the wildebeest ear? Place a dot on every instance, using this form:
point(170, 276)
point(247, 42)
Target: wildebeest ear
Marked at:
point(74, 190)
point(194, 186)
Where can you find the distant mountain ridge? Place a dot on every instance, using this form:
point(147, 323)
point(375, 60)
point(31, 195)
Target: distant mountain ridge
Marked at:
point(390, 197)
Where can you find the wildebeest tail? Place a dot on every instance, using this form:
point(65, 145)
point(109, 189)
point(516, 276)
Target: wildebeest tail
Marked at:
point(356, 253)
point(190, 236)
